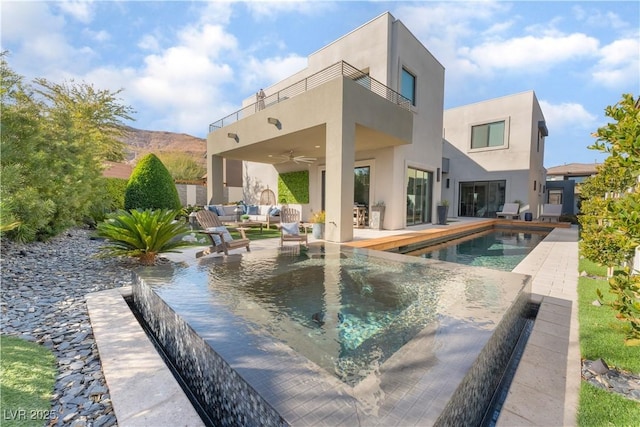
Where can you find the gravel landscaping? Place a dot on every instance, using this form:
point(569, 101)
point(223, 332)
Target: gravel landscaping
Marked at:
point(43, 289)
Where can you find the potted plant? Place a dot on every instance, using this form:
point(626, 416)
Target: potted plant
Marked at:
point(245, 217)
point(317, 220)
point(376, 219)
point(443, 210)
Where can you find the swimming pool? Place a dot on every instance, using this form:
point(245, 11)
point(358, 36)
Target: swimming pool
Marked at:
point(336, 335)
point(500, 249)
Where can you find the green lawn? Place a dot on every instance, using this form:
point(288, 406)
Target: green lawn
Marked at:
point(602, 336)
point(27, 377)
point(599, 408)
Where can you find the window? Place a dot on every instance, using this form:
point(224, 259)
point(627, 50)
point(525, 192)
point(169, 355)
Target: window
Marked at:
point(488, 135)
point(481, 198)
point(408, 86)
point(555, 197)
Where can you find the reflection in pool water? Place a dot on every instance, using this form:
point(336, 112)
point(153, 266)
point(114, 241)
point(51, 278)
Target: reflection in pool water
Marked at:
point(496, 249)
point(341, 311)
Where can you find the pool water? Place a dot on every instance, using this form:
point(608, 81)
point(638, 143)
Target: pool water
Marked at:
point(281, 337)
point(496, 249)
point(342, 312)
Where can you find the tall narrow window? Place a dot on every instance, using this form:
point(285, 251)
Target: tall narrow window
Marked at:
point(408, 86)
point(488, 135)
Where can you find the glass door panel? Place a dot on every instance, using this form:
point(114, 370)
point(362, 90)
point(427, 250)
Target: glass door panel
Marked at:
point(419, 195)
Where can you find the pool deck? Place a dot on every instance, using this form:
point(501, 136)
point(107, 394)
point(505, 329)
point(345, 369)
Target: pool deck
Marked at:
point(544, 391)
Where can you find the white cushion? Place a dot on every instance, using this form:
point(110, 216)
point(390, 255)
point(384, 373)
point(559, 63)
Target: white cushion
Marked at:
point(225, 234)
point(290, 228)
point(264, 210)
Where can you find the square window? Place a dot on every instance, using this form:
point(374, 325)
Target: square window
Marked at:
point(487, 135)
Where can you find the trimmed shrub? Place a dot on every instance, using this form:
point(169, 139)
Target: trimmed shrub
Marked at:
point(151, 186)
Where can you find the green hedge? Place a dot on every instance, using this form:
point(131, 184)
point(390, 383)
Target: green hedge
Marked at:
point(293, 187)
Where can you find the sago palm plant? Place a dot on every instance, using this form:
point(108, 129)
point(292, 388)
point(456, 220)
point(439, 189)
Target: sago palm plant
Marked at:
point(142, 233)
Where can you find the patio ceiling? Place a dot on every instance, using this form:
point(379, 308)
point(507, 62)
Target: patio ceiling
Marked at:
point(310, 142)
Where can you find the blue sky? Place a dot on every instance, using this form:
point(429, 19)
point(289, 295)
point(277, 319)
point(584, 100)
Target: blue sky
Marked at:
point(183, 65)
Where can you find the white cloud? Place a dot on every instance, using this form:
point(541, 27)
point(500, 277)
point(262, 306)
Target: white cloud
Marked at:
point(264, 72)
point(529, 53)
point(596, 18)
point(149, 42)
point(265, 9)
point(99, 36)
point(22, 20)
point(619, 66)
point(82, 10)
point(567, 115)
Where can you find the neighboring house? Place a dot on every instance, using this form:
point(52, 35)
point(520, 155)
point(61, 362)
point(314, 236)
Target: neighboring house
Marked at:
point(561, 184)
point(367, 105)
point(493, 154)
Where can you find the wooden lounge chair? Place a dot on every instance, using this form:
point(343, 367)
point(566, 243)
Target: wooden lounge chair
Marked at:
point(221, 240)
point(509, 210)
point(291, 230)
point(551, 211)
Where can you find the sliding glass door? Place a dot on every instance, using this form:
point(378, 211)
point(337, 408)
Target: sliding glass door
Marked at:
point(419, 196)
point(481, 198)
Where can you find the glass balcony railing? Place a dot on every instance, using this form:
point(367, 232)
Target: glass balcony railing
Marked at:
point(336, 70)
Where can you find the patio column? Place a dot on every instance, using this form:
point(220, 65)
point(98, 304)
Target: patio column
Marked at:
point(340, 152)
point(215, 180)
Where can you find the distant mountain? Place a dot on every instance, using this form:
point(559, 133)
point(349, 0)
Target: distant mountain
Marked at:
point(140, 142)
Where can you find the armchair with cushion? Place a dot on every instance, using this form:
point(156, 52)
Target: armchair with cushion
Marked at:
point(221, 240)
point(291, 230)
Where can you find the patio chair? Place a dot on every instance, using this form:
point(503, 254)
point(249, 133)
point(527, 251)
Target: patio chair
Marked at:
point(509, 210)
point(291, 229)
point(221, 240)
point(551, 211)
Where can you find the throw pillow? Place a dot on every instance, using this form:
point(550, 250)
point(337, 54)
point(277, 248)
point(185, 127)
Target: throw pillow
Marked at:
point(274, 212)
point(290, 228)
point(252, 210)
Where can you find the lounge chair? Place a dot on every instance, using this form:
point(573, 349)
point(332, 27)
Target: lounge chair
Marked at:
point(221, 240)
point(291, 230)
point(509, 210)
point(551, 211)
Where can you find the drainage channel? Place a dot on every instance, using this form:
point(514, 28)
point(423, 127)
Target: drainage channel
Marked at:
point(500, 395)
point(206, 420)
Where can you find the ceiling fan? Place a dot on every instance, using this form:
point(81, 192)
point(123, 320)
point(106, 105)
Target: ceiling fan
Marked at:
point(289, 157)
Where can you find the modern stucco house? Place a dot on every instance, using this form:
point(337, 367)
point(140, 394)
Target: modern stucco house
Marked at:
point(495, 151)
point(363, 123)
point(371, 100)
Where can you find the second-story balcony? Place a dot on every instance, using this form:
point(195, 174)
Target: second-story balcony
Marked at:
point(339, 69)
point(338, 106)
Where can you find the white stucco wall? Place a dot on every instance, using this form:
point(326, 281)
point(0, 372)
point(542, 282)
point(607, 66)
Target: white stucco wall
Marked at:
point(519, 162)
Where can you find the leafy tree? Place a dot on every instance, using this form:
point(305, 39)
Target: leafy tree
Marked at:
point(611, 220)
point(182, 166)
point(143, 234)
point(54, 141)
point(151, 186)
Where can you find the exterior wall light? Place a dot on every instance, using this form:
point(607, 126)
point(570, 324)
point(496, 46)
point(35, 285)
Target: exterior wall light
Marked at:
point(233, 136)
point(274, 121)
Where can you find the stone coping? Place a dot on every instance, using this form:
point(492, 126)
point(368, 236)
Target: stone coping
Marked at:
point(143, 390)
